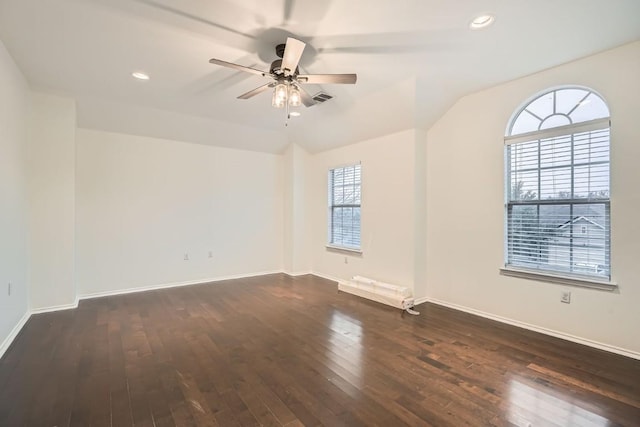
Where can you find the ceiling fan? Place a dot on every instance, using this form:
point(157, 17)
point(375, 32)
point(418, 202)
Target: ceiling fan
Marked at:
point(286, 78)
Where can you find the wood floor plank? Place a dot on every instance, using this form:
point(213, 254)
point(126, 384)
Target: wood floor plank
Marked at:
point(280, 351)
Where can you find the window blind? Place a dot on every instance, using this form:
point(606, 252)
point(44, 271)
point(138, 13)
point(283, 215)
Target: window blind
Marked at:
point(557, 203)
point(344, 206)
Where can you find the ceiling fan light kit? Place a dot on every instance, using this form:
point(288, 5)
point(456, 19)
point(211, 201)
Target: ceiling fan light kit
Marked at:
point(286, 93)
point(279, 95)
point(287, 82)
point(294, 96)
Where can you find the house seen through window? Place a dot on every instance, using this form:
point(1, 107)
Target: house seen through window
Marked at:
point(344, 207)
point(557, 185)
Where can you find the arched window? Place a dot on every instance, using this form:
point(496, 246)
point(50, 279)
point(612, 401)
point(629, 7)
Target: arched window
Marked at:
point(557, 186)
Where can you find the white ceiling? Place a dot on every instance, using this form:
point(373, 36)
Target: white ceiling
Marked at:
point(414, 59)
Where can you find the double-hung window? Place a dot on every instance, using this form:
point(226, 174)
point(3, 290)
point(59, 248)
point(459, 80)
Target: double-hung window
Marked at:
point(557, 186)
point(344, 207)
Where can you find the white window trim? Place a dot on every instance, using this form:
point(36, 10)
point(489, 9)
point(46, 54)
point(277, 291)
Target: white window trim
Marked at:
point(337, 248)
point(591, 125)
point(551, 276)
point(559, 278)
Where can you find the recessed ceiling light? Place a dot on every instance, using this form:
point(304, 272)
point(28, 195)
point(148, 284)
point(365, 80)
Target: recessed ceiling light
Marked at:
point(482, 21)
point(294, 113)
point(140, 76)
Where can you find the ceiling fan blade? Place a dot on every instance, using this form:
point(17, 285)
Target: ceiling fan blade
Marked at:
point(187, 18)
point(239, 67)
point(347, 79)
point(288, 6)
point(307, 100)
point(391, 43)
point(256, 91)
point(292, 54)
point(381, 50)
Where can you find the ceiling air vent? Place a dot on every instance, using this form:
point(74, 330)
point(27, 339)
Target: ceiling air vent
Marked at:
point(321, 97)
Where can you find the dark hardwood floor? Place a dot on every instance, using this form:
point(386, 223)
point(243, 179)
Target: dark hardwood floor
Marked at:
point(282, 351)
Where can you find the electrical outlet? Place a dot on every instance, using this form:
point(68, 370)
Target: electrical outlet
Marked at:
point(186, 257)
point(565, 297)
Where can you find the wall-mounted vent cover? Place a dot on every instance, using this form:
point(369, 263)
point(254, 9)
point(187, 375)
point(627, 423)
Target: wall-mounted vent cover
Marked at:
point(321, 97)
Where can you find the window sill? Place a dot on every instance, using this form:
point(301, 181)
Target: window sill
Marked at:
point(344, 249)
point(602, 285)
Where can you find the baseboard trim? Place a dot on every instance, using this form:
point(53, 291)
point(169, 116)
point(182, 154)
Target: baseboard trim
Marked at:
point(568, 337)
point(324, 276)
point(420, 300)
point(173, 285)
point(55, 308)
point(14, 333)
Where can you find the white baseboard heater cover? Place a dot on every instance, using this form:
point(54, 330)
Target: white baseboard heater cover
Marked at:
point(385, 293)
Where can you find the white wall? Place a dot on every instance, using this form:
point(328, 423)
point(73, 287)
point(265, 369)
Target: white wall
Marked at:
point(51, 159)
point(14, 116)
point(387, 215)
point(296, 245)
point(420, 214)
point(465, 206)
point(143, 203)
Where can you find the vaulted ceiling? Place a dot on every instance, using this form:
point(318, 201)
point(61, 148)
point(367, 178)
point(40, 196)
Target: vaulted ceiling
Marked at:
point(414, 59)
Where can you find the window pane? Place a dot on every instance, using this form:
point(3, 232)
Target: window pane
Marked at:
point(555, 151)
point(543, 106)
point(568, 99)
point(591, 181)
point(555, 183)
point(346, 227)
point(349, 175)
point(349, 194)
point(591, 146)
point(524, 186)
point(552, 217)
point(566, 238)
point(594, 212)
point(524, 156)
point(525, 122)
point(591, 108)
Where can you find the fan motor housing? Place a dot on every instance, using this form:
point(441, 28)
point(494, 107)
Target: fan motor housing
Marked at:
point(276, 68)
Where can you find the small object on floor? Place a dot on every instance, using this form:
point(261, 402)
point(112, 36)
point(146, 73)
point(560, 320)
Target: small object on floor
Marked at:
point(410, 310)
